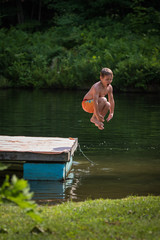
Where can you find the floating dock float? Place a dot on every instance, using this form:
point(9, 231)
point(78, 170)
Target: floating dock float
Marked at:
point(43, 158)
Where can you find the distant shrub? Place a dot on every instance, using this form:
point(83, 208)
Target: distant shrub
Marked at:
point(71, 56)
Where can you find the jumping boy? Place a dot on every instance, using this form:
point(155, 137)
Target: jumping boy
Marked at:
point(95, 101)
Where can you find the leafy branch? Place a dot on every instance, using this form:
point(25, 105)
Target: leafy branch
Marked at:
point(18, 192)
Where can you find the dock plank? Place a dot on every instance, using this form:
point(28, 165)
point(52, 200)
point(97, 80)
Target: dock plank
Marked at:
point(48, 149)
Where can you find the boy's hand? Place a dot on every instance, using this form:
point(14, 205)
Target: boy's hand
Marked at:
point(110, 117)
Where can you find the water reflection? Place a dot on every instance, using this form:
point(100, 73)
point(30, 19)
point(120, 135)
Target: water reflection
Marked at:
point(126, 152)
point(50, 190)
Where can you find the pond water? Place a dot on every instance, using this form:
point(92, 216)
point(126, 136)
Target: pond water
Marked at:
point(126, 153)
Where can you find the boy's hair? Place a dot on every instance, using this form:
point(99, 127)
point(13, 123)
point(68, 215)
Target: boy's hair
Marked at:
point(106, 72)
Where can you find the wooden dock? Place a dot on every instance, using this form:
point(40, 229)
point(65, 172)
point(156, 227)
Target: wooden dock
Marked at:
point(43, 158)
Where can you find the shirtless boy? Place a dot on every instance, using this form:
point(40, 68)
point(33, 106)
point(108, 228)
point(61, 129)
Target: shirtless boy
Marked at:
point(95, 101)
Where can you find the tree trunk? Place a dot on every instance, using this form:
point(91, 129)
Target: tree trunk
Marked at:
point(20, 14)
point(40, 9)
point(32, 10)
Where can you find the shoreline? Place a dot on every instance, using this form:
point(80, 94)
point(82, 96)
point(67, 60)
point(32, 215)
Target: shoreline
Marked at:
point(155, 89)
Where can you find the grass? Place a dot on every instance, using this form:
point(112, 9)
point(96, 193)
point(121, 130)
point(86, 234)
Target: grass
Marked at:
point(128, 218)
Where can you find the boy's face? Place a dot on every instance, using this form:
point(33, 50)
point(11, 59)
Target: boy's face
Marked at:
point(106, 80)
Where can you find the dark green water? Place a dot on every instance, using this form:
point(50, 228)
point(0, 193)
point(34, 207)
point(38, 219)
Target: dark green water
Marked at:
point(126, 152)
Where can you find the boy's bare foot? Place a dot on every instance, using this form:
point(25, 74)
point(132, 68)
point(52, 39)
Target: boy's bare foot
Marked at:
point(101, 126)
point(94, 120)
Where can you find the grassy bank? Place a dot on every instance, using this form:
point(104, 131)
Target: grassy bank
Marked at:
point(129, 218)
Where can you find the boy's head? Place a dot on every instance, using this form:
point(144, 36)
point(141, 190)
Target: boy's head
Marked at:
point(105, 72)
point(106, 76)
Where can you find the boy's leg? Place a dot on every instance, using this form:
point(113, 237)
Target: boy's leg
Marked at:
point(103, 107)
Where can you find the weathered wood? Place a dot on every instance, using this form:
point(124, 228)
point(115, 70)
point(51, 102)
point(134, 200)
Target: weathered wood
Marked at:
point(37, 149)
point(43, 158)
point(33, 157)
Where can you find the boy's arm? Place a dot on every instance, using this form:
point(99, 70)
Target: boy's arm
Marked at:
point(111, 101)
point(95, 102)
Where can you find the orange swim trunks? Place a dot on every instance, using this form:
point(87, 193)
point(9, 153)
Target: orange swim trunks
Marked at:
point(88, 106)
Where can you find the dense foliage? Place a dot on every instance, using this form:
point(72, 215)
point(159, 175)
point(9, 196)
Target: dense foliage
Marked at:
point(66, 43)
